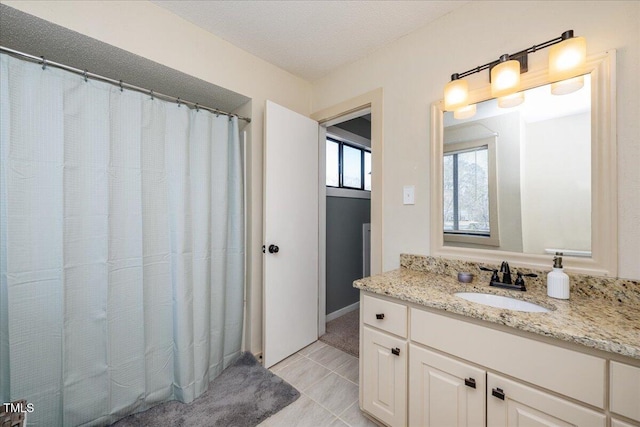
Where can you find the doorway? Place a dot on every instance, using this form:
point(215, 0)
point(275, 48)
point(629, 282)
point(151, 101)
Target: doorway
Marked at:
point(366, 103)
point(348, 210)
point(347, 179)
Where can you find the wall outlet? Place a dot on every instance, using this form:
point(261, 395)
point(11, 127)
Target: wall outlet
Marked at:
point(408, 195)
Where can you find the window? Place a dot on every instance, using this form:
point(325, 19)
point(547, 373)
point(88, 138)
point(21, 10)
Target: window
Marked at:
point(469, 191)
point(333, 163)
point(367, 170)
point(348, 166)
point(351, 167)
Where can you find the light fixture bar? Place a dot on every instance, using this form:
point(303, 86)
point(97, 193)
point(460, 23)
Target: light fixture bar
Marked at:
point(517, 56)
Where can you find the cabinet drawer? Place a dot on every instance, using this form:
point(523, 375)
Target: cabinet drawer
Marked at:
point(618, 423)
point(625, 390)
point(385, 315)
point(512, 404)
point(564, 371)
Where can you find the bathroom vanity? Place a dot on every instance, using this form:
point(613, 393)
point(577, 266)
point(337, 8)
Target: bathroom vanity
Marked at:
point(430, 358)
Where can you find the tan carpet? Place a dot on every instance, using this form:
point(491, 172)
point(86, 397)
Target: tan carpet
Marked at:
point(343, 333)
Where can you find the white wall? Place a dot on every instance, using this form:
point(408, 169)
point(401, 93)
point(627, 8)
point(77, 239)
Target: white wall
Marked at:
point(152, 32)
point(556, 189)
point(413, 70)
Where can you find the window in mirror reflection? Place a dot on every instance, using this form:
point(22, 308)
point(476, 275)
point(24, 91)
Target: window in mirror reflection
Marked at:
point(466, 191)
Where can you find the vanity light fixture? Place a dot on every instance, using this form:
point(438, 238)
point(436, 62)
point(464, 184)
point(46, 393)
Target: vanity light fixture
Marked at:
point(505, 77)
point(566, 61)
point(456, 93)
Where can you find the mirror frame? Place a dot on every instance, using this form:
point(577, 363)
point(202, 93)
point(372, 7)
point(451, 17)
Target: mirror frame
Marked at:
point(604, 182)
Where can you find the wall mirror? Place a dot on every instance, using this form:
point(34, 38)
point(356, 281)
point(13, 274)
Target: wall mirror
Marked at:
point(521, 183)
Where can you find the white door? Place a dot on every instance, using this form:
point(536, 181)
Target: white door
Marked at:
point(290, 229)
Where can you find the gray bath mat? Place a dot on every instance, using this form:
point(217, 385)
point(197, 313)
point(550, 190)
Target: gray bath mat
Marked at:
point(244, 395)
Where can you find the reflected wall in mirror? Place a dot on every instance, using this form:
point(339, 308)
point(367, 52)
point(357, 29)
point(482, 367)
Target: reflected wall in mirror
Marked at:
point(538, 177)
point(519, 179)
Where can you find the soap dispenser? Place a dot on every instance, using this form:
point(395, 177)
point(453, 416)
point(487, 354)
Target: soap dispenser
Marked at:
point(558, 280)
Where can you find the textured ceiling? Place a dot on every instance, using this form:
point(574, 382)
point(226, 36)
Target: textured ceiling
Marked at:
point(26, 33)
point(309, 38)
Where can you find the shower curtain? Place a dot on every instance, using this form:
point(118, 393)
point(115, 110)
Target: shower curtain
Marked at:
point(121, 247)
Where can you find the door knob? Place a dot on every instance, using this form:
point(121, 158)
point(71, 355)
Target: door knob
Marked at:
point(273, 249)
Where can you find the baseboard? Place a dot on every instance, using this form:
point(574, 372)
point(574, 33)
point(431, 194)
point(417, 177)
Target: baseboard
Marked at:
point(343, 311)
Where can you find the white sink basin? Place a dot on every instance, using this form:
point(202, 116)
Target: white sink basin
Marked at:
point(502, 302)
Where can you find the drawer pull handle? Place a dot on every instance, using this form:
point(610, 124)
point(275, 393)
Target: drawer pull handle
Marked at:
point(380, 316)
point(470, 382)
point(498, 392)
point(395, 351)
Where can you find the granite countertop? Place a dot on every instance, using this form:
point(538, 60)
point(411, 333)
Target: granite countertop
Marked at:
point(591, 317)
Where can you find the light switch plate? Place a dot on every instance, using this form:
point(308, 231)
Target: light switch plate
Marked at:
point(408, 195)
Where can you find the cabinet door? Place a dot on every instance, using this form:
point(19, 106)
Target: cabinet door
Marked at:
point(444, 392)
point(384, 377)
point(511, 404)
point(625, 390)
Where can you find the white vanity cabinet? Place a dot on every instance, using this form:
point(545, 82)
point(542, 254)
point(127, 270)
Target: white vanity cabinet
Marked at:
point(383, 380)
point(444, 391)
point(519, 381)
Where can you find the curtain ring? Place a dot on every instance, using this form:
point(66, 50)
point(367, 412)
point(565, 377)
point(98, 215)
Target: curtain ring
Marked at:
point(178, 102)
point(86, 78)
point(197, 108)
point(121, 88)
point(44, 63)
point(151, 93)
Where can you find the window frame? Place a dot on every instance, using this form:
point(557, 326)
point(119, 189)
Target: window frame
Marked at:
point(493, 238)
point(341, 143)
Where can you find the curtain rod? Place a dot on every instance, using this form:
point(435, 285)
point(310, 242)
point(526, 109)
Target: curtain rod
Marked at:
point(122, 85)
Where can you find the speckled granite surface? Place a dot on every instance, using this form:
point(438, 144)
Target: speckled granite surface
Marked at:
point(603, 313)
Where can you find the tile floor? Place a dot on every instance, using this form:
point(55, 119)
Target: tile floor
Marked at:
point(327, 379)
